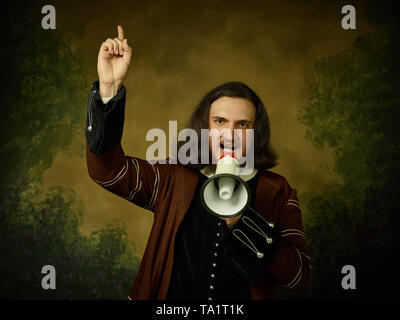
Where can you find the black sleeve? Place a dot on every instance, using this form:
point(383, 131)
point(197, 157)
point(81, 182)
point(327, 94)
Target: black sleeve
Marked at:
point(104, 122)
point(251, 244)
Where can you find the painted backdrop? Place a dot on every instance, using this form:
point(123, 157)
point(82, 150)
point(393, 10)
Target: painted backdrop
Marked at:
point(332, 96)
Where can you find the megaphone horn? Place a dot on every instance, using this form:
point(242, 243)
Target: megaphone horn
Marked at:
point(225, 194)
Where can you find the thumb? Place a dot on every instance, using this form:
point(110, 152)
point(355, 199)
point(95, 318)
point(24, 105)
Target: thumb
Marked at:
point(127, 51)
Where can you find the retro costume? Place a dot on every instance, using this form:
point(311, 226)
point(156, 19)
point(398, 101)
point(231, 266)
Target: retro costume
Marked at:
point(190, 253)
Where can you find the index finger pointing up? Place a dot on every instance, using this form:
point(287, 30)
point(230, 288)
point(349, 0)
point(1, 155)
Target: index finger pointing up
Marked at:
point(120, 33)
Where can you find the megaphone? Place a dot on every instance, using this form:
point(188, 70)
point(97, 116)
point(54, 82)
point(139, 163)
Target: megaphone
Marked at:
point(225, 194)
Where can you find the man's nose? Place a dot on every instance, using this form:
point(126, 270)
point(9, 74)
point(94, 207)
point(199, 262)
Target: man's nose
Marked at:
point(228, 132)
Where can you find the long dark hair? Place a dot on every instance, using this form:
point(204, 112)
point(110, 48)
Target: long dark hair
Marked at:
point(265, 157)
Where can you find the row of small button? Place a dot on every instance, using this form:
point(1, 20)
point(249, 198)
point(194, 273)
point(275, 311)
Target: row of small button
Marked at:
point(214, 264)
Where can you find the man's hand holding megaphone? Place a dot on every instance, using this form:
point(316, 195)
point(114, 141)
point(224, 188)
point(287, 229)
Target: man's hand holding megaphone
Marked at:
point(230, 222)
point(251, 244)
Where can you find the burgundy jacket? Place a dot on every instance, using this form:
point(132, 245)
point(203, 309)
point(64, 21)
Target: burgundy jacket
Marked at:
point(168, 190)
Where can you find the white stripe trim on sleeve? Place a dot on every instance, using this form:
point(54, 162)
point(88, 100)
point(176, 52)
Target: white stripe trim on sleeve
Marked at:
point(294, 201)
point(136, 190)
point(137, 167)
point(138, 184)
point(291, 232)
point(118, 177)
point(297, 277)
point(155, 187)
point(293, 204)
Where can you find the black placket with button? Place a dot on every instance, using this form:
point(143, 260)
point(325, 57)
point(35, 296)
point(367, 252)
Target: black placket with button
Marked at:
point(200, 269)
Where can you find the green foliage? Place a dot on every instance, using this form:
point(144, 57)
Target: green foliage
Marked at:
point(34, 234)
point(42, 113)
point(354, 109)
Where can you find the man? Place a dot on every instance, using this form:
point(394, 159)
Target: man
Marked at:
point(190, 253)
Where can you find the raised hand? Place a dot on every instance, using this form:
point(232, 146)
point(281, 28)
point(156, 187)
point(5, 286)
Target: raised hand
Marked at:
point(112, 63)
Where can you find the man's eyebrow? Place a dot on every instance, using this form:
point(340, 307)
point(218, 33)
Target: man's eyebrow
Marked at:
point(218, 117)
point(222, 118)
point(244, 120)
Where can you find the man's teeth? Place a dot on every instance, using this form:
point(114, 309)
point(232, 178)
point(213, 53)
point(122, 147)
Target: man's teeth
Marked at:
point(227, 147)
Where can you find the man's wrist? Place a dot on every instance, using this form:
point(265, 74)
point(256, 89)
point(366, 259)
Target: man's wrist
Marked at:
point(109, 90)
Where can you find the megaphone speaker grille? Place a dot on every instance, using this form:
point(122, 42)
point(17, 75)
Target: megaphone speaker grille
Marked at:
point(225, 206)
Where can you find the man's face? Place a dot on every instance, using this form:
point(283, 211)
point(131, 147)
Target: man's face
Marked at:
point(226, 115)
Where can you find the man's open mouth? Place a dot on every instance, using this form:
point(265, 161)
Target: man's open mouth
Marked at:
point(227, 147)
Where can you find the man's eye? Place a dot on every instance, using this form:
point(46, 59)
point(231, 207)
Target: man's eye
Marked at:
point(219, 121)
point(243, 125)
